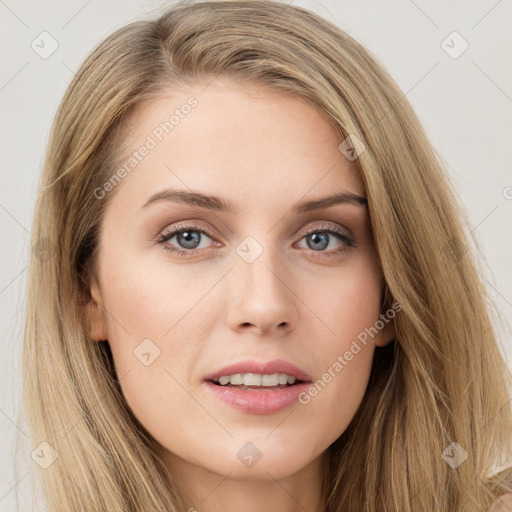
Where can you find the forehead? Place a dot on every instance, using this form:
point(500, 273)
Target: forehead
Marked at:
point(233, 139)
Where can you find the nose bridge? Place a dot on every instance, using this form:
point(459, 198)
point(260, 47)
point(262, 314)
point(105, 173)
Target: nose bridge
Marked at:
point(260, 264)
point(264, 297)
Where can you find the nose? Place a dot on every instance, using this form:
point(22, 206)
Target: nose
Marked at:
point(264, 299)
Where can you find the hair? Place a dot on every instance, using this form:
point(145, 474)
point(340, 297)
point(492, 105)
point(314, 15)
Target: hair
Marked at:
point(441, 380)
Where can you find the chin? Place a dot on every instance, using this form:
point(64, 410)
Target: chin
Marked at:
point(271, 469)
point(265, 459)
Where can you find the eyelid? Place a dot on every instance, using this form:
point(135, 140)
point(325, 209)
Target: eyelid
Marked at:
point(325, 227)
point(196, 225)
point(193, 225)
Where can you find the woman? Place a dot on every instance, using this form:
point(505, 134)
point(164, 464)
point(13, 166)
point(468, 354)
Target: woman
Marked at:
point(257, 290)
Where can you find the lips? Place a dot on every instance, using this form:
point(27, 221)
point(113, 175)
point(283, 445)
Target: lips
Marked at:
point(263, 401)
point(263, 368)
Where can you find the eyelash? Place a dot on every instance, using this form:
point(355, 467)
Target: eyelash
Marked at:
point(164, 237)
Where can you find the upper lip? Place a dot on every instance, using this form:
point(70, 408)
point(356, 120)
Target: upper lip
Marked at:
point(263, 368)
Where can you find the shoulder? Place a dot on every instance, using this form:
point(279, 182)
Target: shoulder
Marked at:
point(503, 504)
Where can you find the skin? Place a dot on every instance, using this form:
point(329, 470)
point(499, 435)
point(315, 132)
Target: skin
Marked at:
point(265, 151)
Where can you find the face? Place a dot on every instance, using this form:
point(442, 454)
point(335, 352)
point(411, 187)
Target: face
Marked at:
point(184, 288)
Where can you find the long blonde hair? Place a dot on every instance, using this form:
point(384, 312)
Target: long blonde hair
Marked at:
point(443, 380)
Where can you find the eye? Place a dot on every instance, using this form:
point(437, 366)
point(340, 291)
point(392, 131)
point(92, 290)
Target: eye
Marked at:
point(318, 239)
point(189, 239)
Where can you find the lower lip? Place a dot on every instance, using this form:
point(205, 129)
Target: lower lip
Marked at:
point(258, 401)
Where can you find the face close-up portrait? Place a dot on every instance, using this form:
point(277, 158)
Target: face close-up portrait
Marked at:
point(260, 292)
point(242, 302)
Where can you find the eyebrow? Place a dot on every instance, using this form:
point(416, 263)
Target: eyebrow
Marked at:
point(219, 204)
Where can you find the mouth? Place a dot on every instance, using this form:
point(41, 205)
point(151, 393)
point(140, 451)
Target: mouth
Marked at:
point(257, 382)
point(257, 393)
point(256, 387)
point(255, 373)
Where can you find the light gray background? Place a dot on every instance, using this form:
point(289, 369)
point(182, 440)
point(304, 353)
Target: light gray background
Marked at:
point(464, 103)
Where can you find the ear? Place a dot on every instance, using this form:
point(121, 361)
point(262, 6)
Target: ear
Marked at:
point(386, 334)
point(96, 313)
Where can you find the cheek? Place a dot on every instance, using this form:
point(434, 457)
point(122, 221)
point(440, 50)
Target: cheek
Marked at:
point(349, 302)
point(155, 336)
point(152, 301)
point(348, 309)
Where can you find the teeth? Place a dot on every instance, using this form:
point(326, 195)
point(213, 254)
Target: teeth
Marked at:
point(270, 380)
point(237, 379)
point(252, 379)
point(256, 379)
point(224, 380)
